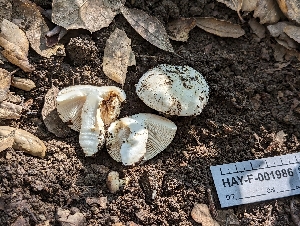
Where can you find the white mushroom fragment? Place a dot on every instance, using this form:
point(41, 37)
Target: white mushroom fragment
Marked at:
point(139, 137)
point(87, 109)
point(174, 90)
point(114, 183)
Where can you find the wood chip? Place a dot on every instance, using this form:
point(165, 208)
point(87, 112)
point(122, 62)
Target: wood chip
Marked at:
point(118, 56)
point(149, 27)
point(220, 27)
point(179, 29)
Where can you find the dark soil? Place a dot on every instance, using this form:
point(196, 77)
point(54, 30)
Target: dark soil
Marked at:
point(251, 99)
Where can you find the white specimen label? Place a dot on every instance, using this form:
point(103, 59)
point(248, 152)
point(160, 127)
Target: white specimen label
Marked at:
point(257, 180)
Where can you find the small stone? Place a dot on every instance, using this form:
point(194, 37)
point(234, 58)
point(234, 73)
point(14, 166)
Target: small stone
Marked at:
point(117, 224)
point(21, 221)
point(201, 214)
point(103, 202)
point(65, 218)
point(42, 217)
point(228, 216)
point(131, 223)
point(8, 156)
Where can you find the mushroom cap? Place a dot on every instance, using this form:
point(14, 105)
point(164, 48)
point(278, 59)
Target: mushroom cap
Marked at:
point(174, 90)
point(157, 134)
point(70, 101)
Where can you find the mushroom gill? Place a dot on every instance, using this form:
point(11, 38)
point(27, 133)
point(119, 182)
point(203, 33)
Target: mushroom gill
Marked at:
point(87, 109)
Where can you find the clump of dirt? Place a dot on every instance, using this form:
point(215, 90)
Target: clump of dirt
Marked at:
point(82, 50)
point(252, 98)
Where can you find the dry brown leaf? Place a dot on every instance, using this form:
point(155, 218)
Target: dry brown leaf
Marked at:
point(277, 29)
point(7, 140)
point(286, 41)
point(235, 5)
point(24, 141)
point(267, 11)
point(5, 10)
point(15, 44)
point(179, 29)
point(291, 9)
point(293, 32)
point(16, 99)
point(117, 56)
point(5, 80)
point(9, 110)
point(281, 53)
point(50, 116)
point(23, 83)
point(149, 27)
point(257, 28)
point(249, 5)
point(220, 27)
point(88, 14)
point(35, 27)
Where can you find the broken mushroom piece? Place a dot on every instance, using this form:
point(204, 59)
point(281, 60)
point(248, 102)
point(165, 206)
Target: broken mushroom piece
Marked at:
point(174, 90)
point(114, 183)
point(87, 109)
point(139, 137)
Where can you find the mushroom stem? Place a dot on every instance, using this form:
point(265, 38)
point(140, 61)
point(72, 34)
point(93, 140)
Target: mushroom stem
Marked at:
point(91, 131)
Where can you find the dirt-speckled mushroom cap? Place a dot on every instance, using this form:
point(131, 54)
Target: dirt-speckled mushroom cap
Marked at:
point(174, 90)
point(160, 133)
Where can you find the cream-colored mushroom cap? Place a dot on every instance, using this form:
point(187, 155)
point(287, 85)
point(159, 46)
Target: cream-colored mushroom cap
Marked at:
point(174, 90)
point(87, 109)
point(139, 137)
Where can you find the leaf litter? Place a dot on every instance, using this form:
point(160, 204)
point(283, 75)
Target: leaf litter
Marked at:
point(220, 27)
point(149, 27)
point(92, 15)
point(29, 17)
point(179, 29)
point(118, 55)
point(15, 44)
point(95, 15)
